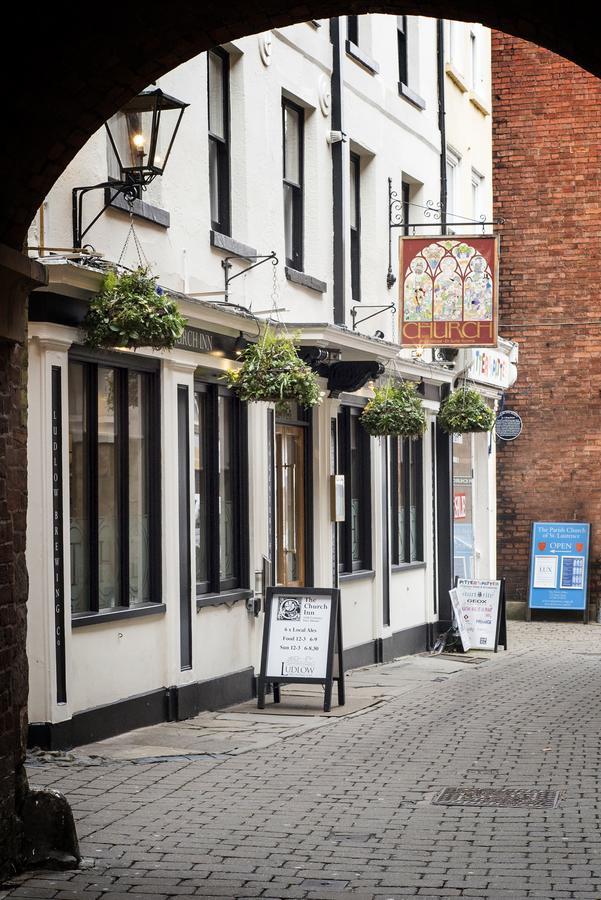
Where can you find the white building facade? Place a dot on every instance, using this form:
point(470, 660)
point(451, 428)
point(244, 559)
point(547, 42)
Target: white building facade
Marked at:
point(160, 507)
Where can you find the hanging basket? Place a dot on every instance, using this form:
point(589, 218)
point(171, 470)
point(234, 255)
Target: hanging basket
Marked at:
point(273, 372)
point(465, 410)
point(395, 410)
point(132, 311)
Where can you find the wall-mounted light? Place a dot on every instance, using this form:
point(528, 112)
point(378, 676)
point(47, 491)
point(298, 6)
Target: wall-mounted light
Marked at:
point(141, 136)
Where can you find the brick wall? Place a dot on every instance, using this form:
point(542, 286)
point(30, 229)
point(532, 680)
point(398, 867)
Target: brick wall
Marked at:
point(547, 169)
point(13, 591)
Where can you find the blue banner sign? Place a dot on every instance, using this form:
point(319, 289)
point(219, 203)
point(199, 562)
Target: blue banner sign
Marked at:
point(559, 565)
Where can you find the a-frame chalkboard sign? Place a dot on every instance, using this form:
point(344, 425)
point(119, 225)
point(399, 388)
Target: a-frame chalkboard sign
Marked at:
point(302, 635)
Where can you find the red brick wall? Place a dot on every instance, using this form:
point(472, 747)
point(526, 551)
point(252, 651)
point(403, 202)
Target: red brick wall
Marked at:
point(547, 181)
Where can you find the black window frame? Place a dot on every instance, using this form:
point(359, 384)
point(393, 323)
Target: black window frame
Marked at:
point(355, 240)
point(296, 261)
point(352, 30)
point(222, 147)
point(92, 361)
point(347, 415)
point(412, 449)
point(402, 50)
point(215, 585)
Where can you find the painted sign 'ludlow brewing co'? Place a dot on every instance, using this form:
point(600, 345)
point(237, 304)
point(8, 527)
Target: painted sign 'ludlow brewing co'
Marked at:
point(449, 291)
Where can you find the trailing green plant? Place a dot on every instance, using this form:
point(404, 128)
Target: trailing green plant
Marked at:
point(465, 410)
point(395, 410)
point(272, 371)
point(133, 311)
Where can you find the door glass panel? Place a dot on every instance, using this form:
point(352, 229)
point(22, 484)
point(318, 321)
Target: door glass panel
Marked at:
point(226, 492)
point(290, 487)
point(108, 497)
point(138, 489)
point(356, 476)
point(463, 522)
point(201, 530)
point(78, 488)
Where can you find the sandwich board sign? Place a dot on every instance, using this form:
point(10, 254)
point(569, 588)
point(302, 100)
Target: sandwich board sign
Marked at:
point(479, 608)
point(302, 631)
point(559, 557)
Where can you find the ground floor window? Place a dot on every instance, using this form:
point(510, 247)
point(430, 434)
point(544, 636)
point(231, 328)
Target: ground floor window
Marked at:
point(219, 490)
point(463, 506)
point(113, 481)
point(355, 464)
point(406, 500)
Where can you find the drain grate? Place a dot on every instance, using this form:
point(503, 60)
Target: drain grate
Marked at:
point(536, 799)
point(349, 837)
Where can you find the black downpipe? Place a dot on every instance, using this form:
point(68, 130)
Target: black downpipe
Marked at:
point(338, 216)
point(442, 123)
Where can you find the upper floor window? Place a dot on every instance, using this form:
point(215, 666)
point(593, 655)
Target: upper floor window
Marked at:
point(452, 167)
point(292, 137)
point(402, 49)
point(406, 205)
point(355, 216)
point(354, 463)
point(474, 61)
point(477, 195)
point(219, 139)
point(352, 29)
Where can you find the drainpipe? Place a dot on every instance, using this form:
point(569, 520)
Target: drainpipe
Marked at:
point(442, 123)
point(339, 218)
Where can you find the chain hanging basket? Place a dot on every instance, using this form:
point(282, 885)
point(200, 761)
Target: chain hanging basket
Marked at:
point(133, 311)
point(395, 410)
point(465, 410)
point(273, 372)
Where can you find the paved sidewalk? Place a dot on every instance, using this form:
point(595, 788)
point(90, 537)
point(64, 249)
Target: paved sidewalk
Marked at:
point(341, 807)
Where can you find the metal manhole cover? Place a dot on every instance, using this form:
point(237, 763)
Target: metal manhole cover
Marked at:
point(510, 797)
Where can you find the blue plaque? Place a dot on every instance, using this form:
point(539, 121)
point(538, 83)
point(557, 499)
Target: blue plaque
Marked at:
point(559, 556)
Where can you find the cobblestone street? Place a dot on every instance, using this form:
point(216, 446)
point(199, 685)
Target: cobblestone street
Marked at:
point(341, 806)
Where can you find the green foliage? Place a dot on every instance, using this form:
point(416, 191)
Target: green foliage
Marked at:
point(465, 410)
point(132, 311)
point(395, 410)
point(272, 371)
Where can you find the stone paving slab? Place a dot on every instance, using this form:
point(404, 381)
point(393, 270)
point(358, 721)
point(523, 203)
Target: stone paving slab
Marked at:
point(349, 799)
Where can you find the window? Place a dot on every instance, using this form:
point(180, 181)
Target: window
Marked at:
point(113, 448)
point(402, 49)
point(406, 206)
point(474, 65)
point(455, 42)
point(219, 139)
point(477, 200)
point(354, 464)
point(406, 500)
point(352, 29)
point(219, 498)
point(355, 183)
point(292, 136)
point(452, 164)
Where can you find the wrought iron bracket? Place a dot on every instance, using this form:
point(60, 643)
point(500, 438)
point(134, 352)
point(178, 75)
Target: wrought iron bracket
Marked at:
point(432, 211)
point(379, 306)
point(227, 265)
point(129, 190)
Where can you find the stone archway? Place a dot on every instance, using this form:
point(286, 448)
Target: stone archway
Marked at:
point(76, 69)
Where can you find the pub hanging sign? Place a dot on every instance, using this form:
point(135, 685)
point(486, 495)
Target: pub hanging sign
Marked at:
point(449, 291)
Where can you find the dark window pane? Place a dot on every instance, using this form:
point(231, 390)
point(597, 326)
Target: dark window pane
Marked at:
point(402, 49)
point(201, 493)
point(227, 531)
point(289, 221)
point(78, 489)
point(138, 489)
point(108, 493)
point(357, 476)
point(352, 29)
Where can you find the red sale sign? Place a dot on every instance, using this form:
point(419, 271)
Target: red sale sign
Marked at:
point(459, 506)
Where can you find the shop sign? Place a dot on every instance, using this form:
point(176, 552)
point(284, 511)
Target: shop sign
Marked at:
point(490, 367)
point(196, 340)
point(559, 565)
point(448, 291)
point(508, 425)
point(477, 607)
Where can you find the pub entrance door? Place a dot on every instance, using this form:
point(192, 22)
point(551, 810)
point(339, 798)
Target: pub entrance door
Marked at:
point(290, 482)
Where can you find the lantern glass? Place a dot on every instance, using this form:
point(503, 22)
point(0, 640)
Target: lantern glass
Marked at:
point(141, 134)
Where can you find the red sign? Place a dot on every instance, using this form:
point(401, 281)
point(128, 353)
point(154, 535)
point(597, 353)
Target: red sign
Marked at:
point(449, 291)
point(459, 506)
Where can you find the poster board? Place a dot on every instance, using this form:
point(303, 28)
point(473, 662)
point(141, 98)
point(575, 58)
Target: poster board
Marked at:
point(559, 561)
point(302, 632)
point(479, 608)
point(448, 289)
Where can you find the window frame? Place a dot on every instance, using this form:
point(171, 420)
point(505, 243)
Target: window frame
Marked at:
point(352, 30)
point(346, 565)
point(406, 206)
point(402, 50)
point(355, 232)
point(412, 450)
point(91, 362)
point(297, 260)
point(215, 586)
point(222, 146)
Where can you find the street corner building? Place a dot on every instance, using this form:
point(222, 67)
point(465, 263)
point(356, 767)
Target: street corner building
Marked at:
point(161, 507)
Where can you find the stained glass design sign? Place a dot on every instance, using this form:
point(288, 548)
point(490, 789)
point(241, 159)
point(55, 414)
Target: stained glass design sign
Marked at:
point(449, 291)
